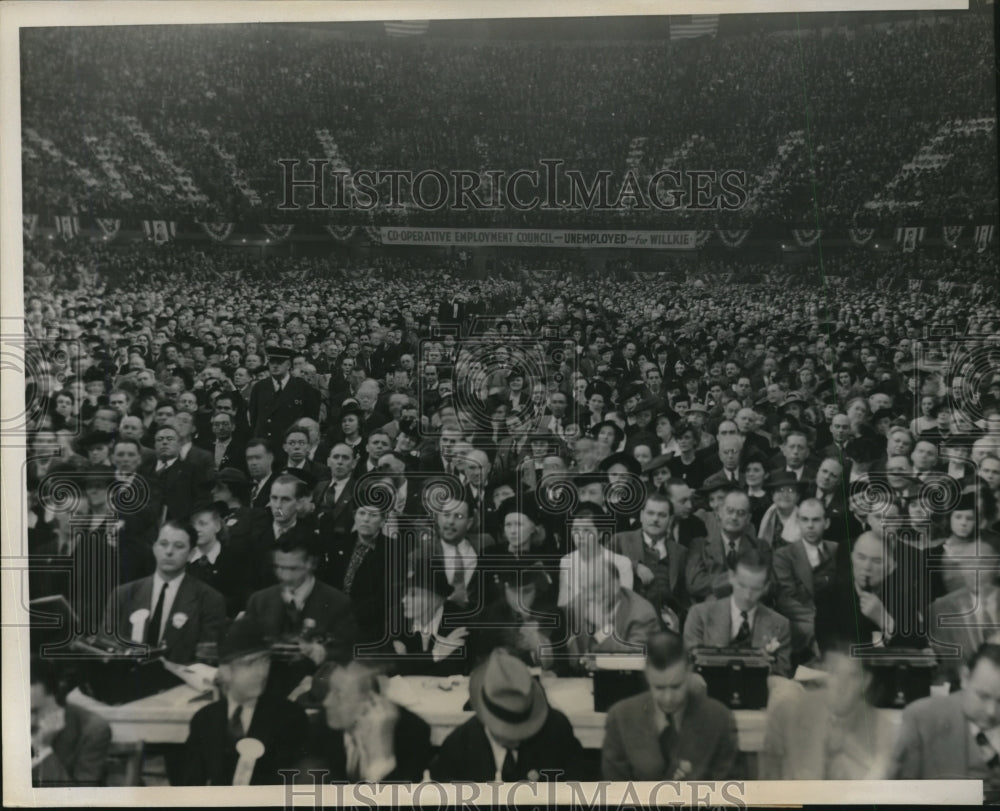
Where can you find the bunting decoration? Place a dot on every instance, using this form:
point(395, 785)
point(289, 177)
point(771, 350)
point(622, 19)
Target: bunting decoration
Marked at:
point(735, 238)
point(909, 237)
point(945, 286)
point(67, 226)
point(29, 223)
point(109, 226)
point(951, 234)
point(159, 231)
point(219, 231)
point(702, 237)
point(916, 285)
point(342, 233)
point(373, 234)
point(984, 236)
point(861, 236)
point(807, 237)
point(277, 232)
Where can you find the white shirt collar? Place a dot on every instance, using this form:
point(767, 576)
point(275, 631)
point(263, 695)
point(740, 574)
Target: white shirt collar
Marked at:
point(660, 546)
point(301, 594)
point(212, 555)
point(185, 449)
point(499, 753)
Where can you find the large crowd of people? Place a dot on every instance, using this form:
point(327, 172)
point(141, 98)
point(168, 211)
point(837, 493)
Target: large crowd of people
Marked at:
point(867, 126)
point(314, 477)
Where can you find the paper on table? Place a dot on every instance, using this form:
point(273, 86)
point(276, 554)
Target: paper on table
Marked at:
point(803, 673)
point(398, 690)
point(197, 676)
point(621, 661)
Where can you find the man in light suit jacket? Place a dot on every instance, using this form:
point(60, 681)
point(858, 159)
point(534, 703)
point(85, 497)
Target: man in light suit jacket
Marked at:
point(955, 737)
point(671, 731)
point(741, 620)
point(69, 744)
point(607, 618)
point(962, 620)
point(658, 562)
point(804, 569)
point(180, 611)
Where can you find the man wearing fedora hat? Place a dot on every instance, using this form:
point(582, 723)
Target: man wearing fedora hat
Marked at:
point(246, 710)
point(280, 400)
point(514, 733)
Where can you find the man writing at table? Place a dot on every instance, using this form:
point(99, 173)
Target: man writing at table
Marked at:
point(673, 731)
point(168, 608)
point(244, 711)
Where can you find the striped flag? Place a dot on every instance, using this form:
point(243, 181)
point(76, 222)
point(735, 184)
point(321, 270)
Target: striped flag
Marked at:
point(406, 28)
point(159, 231)
point(68, 227)
point(694, 25)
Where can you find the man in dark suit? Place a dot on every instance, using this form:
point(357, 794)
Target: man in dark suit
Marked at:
point(280, 400)
point(181, 486)
point(296, 448)
point(670, 732)
point(658, 561)
point(831, 492)
point(360, 734)
point(246, 712)
point(310, 619)
point(806, 573)
point(260, 465)
point(226, 449)
point(69, 745)
point(198, 458)
point(954, 737)
point(741, 620)
point(795, 451)
point(334, 498)
point(514, 734)
point(168, 608)
point(713, 557)
point(134, 490)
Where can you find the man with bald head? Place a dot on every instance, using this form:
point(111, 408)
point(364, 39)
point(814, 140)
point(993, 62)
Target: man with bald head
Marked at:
point(746, 423)
point(729, 453)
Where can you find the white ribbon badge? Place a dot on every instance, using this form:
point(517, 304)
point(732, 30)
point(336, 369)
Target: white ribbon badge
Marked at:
point(138, 619)
point(249, 750)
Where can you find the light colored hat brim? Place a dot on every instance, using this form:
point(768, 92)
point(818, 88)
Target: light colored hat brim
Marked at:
point(518, 731)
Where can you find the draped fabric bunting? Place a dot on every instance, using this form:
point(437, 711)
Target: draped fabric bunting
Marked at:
point(909, 237)
point(278, 232)
point(702, 237)
point(109, 226)
point(373, 234)
point(735, 238)
point(29, 222)
point(219, 231)
point(159, 231)
point(952, 234)
point(861, 236)
point(916, 285)
point(68, 226)
point(807, 237)
point(984, 236)
point(342, 233)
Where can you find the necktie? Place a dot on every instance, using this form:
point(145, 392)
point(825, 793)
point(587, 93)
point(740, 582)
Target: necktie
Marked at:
point(743, 637)
point(458, 576)
point(293, 617)
point(153, 628)
point(254, 492)
point(820, 554)
point(731, 555)
point(236, 731)
point(986, 749)
point(508, 771)
point(668, 749)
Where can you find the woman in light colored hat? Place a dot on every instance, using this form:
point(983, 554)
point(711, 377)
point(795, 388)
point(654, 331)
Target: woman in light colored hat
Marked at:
point(514, 734)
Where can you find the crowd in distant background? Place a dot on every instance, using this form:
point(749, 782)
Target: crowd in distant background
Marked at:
point(150, 106)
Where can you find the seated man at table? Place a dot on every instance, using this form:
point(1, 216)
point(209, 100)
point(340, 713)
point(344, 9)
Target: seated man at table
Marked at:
point(359, 733)
point(514, 734)
point(829, 732)
point(608, 618)
point(69, 745)
point(245, 711)
point(432, 642)
point(169, 609)
point(956, 736)
point(308, 620)
point(673, 731)
point(741, 620)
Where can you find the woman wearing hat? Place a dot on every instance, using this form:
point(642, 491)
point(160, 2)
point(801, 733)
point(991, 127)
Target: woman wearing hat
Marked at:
point(351, 417)
point(780, 525)
point(589, 526)
point(964, 539)
point(686, 465)
point(513, 735)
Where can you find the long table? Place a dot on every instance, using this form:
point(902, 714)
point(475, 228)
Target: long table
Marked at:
point(164, 717)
